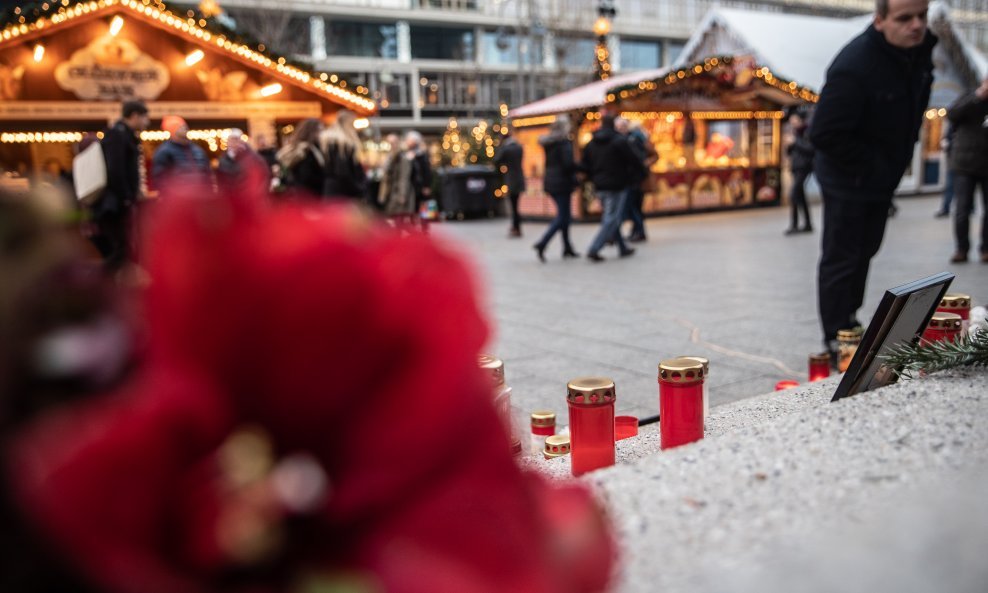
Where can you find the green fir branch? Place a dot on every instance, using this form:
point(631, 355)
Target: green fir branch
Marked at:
point(909, 360)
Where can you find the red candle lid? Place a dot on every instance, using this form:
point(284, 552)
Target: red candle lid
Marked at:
point(591, 391)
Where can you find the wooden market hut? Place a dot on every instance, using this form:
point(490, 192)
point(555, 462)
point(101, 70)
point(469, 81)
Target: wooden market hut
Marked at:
point(66, 66)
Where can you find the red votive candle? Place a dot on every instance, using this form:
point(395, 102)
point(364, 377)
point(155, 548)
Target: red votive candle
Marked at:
point(625, 427)
point(591, 422)
point(543, 425)
point(956, 303)
point(556, 445)
point(680, 401)
point(706, 375)
point(819, 366)
point(502, 396)
point(786, 384)
point(943, 327)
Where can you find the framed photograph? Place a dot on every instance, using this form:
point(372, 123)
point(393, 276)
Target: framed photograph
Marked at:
point(901, 318)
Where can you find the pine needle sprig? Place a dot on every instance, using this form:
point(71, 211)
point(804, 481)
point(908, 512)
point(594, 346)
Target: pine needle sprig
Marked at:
point(912, 359)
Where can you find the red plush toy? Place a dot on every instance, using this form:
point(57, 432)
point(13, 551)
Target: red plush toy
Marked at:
point(310, 414)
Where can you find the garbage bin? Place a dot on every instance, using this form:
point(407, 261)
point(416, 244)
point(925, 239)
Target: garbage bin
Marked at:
point(469, 192)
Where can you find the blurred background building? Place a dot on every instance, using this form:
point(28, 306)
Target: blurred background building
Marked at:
point(428, 60)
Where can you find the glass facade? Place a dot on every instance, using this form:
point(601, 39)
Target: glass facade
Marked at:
point(638, 54)
point(370, 40)
point(501, 48)
point(575, 52)
point(441, 43)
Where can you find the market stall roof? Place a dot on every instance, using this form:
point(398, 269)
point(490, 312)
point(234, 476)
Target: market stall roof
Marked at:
point(583, 97)
point(33, 20)
point(800, 47)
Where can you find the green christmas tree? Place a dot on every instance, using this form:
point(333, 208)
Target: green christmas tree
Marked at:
point(476, 146)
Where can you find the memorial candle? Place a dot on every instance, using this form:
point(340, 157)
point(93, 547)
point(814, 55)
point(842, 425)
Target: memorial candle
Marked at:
point(680, 401)
point(942, 327)
point(591, 422)
point(502, 397)
point(819, 366)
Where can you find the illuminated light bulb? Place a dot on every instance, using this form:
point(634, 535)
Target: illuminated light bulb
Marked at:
point(115, 25)
point(271, 89)
point(39, 52)
point(194, 57)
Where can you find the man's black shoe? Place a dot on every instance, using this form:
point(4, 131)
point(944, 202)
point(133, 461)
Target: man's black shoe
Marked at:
point(627, 252)
point(595, 257)
point(540, 251)
point(636, 239)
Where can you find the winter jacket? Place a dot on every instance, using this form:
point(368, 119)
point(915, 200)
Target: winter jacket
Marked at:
point(174, 158)
point(122, 152)
point(610, 162)
point(421, 177)
point(508, 161)
point(303, 168)
point(801, 151)
point(560, 167)
point(869, 116)
point(345, 176)
point(969, 146)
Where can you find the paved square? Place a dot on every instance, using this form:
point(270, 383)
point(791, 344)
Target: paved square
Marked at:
point(727, 286)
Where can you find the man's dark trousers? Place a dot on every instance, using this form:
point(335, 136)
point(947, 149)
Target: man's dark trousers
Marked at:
point(852, 234)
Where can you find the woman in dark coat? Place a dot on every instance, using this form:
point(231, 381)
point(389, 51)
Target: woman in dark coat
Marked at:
point(559, 182)
point(345, 176)
point(801, 164)
point(302, 161)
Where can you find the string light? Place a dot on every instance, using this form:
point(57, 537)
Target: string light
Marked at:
point(39, 52)
point(157, 12)
point(271, 89)
point(194, 57)
point(526, 122)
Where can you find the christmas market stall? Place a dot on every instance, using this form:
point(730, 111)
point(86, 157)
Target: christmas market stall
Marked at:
point(66, 66)
point(800, 48)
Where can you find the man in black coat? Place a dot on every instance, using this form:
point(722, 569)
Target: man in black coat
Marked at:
point(508, 161)
point(122, 152)
point(864, 129)
point(969, 163)
point(612, 166)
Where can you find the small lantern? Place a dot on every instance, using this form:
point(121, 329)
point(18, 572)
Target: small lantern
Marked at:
point(959, 304)
point(591, 422)
point(819, 366)
point(680, 401)
point(943, 327)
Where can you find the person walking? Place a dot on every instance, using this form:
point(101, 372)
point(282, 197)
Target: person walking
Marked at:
point(396, 194)
point(636, 193)
point(303, 164)
point(112, 212)
point(177, 157)
point(969, 164)
point(948, 184)
point(421, 173)
point(508, 160)
point(345, 176)
point(559, 182)
point(612, 165)
point(864, 129)
point(801, 164)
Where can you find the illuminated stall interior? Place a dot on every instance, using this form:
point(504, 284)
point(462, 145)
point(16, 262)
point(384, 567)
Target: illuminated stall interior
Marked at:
point(66, 66)
point(715, 125)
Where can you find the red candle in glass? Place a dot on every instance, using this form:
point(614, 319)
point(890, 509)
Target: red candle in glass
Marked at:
point(591, 422)
point(680, 401)
point(502, 396)
point(959, 304)
point(706, 375)
point(819, 366)
point(556, 445)
point(943, 326)
point(543, 425)
point(625, 427)
point(786, 384)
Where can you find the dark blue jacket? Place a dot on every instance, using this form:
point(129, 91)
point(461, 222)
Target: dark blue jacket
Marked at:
point(869, 116)
point(508, 161)
point(560, 167)
point(610, 162)
point(173, 158)
point(122, 153)
point(969, 136)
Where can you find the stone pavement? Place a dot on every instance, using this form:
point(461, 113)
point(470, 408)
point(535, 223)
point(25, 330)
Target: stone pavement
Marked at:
point(727, 286)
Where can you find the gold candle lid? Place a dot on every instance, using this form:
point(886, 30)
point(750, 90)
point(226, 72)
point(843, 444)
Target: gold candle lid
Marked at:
point(494, 366)
point(543, 418)
point(956, 301)
point(701, 360)
point(683, 370)
point(942, 320)
point(591, 391)
point(850, 334)
point(556, 445)
point(821, 358)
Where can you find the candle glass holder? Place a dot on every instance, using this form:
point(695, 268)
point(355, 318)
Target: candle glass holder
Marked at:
point(680, 401)
point(942, 327)
point(556, 445)
point(502, 397)
point(819, 366)
point(543, 425)
point(591, 422)
point(706, 375)
point(847, 345)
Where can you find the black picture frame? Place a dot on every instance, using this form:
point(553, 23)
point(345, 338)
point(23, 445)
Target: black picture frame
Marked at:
point(900, 318)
